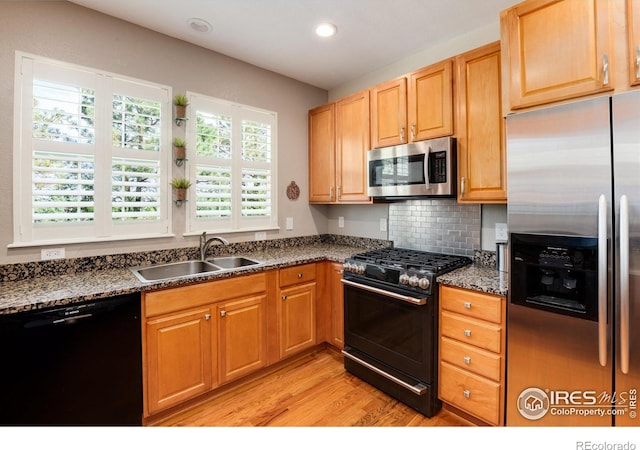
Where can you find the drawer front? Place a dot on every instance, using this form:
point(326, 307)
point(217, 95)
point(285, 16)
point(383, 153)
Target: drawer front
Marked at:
point(476, 395)
point(297, 274)
point(470, 331)
point(472, 304)
point(177, 299)
point(473, 359)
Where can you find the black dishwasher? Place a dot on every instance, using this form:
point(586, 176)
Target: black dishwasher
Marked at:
point(75, 365)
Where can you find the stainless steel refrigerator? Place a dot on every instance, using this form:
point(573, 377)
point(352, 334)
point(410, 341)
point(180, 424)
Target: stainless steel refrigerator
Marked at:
point(573, 313)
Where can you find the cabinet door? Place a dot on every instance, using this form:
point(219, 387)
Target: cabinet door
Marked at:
point(297, 318)
point(633, 27)
point(241, 337)
point(557, 49)
point(431, 102)
point(389, 113)
point(179, 353)
point(322, 154)
point(480, 127)
point(337, 306)
point(352, 144)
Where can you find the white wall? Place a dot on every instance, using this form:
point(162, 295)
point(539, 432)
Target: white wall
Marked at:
point(68, 32)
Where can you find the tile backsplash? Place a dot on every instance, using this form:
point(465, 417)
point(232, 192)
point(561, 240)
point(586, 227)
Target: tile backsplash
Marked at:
point(436, 225)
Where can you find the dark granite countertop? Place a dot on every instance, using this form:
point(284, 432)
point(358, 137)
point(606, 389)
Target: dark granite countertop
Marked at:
point(63, 289)
point(477, 277)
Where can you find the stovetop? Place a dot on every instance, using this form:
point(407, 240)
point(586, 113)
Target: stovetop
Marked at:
point(437, 263)
point(404, 268)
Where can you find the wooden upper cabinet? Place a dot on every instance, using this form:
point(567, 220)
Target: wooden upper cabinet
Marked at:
point(556, 50)
point(352, 144)
point(322, 154)
point(430, 102)
point(480, 127)
point(389, 113)
point(633, 26)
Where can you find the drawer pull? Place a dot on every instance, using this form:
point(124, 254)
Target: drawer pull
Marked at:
point(207, 317)
point(467, 305)
point(467, 359)
point(467, 333)
point(300, 275)
point(223, 313)
point(466, 393)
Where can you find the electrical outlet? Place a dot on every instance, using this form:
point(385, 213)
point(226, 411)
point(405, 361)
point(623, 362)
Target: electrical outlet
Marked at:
point(289, 223)
point(51, 253)
point(383, 224)
point(340, 222)
point(260, 235)
point(502, 232)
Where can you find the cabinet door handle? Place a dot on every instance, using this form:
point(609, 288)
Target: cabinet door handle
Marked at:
point(284, 297)
point(207, 317)
point(223, 313)
point(413, 131)
point(467, 333)
point(466, 393)
point(463, 185)
point(467, 360)
point(402, 134)
point(467, 305)
point(638, 61)
point(331, 193)
point(605, 69)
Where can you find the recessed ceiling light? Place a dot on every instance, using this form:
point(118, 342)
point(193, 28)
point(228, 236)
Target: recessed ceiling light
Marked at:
point(326, 29)
point(199, 25)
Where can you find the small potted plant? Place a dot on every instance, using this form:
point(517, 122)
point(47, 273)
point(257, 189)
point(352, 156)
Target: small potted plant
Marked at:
point(179, 147)
point(180, 185)
point(180, 101)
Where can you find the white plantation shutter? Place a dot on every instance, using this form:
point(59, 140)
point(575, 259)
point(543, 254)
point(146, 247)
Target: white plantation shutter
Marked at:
point(232, 161)
point(92, 153)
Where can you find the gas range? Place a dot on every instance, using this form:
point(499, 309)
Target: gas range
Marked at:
point(401, 268)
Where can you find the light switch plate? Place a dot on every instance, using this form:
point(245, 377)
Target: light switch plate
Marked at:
point(340, 222)
point(289, 223)
point(383, 224)
point(502, 232)
point(260, 235)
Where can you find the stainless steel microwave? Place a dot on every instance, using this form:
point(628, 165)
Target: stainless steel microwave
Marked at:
point(419, 169)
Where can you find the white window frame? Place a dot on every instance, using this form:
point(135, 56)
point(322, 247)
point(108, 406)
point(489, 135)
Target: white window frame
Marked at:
point(238, 112)
point(102, 228)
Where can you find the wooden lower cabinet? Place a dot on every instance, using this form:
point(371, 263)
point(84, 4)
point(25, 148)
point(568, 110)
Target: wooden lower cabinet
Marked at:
point(297, 309)
point(472, 353)
point(242, 341)
point(200, 336)
point(337, 306)
point(179, 354)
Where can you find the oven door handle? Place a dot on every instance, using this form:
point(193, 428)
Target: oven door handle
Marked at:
point(393, 295)
point(418, 389)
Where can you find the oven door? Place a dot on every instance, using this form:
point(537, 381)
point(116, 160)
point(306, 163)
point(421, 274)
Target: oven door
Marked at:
point(399, 334)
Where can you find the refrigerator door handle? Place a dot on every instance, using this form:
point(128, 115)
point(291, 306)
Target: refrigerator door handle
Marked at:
point(624, 284)
point(602, 280)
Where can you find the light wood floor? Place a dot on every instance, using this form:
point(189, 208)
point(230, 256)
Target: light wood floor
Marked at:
point(312, 391)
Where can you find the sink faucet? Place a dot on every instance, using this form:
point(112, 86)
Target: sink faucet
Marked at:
point(206, 243)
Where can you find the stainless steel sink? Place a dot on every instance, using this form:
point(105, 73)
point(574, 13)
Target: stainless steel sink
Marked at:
point(173, 270)
point(233, 262)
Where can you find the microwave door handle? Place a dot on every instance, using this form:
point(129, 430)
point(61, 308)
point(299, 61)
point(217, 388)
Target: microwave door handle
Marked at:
point(427, 169)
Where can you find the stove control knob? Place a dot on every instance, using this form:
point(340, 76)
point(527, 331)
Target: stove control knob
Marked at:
point(413, 281)
point(360, 269)
point(424, 283)
point(346, 267)
point(404, 279)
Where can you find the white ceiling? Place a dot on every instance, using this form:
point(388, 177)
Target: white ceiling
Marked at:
point(278, 35)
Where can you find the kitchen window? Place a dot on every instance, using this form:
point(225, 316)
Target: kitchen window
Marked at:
point(91, 155)
point(232, 159)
